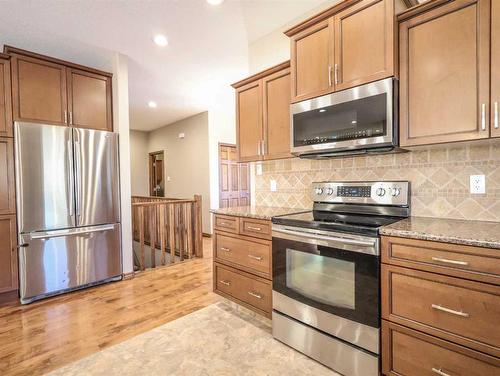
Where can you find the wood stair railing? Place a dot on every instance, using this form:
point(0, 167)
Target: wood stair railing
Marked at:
point(167, 225)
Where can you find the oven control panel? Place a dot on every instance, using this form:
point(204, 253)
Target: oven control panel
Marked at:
point(378, 193)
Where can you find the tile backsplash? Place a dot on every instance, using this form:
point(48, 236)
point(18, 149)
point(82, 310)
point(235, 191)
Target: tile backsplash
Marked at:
point(439, 179)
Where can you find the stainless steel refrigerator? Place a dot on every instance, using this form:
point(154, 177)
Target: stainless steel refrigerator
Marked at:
point(67, 186)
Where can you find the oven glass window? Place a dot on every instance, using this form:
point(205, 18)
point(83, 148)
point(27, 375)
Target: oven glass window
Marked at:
point(361, 118)
point(324, 279)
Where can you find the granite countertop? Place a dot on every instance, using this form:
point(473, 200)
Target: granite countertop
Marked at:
point(257, 212)
point(475, 233)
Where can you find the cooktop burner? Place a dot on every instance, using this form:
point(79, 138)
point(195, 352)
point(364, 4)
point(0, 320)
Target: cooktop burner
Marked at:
point(354, 207)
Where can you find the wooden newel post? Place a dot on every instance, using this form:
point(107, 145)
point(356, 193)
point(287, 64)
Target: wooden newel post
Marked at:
point(198, 226)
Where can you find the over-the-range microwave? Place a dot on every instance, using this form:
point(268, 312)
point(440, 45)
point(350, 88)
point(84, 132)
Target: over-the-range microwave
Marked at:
point(353, 121)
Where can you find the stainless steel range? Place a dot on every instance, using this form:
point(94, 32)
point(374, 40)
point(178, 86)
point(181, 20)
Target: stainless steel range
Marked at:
point(326, 273)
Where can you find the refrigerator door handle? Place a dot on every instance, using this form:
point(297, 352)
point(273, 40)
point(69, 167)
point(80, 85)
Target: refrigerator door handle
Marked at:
point(70, 180)
point(78, 179)
point(72, 232)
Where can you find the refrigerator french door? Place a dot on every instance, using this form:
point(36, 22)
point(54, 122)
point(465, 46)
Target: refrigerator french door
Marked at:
point(68, 208)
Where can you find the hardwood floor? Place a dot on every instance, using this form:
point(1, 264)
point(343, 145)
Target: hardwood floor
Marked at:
point(46, 335)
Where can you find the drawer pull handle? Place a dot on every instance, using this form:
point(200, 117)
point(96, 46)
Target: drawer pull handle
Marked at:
point(224, 224)
point(225, 249)
point(448, 261)
point(447, 310)
point(254, 228)
point(258, 258)
point(439, 372)
point(255, 295)
point(225, 282)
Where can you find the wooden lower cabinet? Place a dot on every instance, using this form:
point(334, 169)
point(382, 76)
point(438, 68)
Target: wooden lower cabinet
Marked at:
point(408, 352)
point(242, 251)
point(439, 315)
point(8, 254)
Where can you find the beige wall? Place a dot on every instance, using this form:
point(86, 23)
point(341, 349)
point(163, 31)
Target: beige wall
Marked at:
point(186, 160)
point(139, 163)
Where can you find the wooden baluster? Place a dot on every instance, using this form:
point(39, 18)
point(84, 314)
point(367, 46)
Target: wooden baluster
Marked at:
point(189, 229)
point(171, 223)
point(141, 235)
point(182, 238)
point(162, 233)
point(152, 234)
point(198, 229)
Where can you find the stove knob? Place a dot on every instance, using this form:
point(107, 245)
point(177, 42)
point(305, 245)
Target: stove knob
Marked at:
point(380, 192)
point(329, 191)
point(319, 190)
point(396, 192)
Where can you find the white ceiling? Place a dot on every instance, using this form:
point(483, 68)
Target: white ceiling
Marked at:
point(207, 49)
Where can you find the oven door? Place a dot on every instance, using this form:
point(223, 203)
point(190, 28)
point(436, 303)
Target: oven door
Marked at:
point(328, 280)
point(358, 118)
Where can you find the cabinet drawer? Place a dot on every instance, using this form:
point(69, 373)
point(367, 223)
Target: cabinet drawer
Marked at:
point(255, 227)
point(250, 291)
point(463, 311)
point(406, 352)
point(482, 264)
point(226, 223)
point(255, 256)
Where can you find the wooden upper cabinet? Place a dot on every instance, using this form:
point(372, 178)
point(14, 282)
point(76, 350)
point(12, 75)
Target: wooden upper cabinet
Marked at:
point(89, 100)
point(8, 255)
point(311, 61)
point(444, 73)
point(249, 121)
point(5, 98)
point(495, 68)
point(38, 90)
point(276, 90)
point(364, 43)
point(263, 114)
point(7, 188)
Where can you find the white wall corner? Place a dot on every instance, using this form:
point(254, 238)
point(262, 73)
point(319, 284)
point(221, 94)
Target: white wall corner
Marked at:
point(121, 125)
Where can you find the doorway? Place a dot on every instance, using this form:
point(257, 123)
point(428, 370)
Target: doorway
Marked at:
point(156, 183)
point(234, 178)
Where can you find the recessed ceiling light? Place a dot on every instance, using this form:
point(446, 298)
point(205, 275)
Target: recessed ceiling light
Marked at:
point(152, 104)
point(215, 2)
point(160, 40)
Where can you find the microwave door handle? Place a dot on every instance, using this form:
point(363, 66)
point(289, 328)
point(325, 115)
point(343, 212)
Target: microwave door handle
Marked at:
point(328, 238)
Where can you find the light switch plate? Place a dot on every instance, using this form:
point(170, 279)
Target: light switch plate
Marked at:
point(258, 168)
point(274, 186)
point(477, 184)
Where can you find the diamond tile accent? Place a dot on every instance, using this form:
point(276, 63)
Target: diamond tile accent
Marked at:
point(439, 177)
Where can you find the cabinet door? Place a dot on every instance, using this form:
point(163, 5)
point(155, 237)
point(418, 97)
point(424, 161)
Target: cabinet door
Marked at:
point(495, 68)
point(311, 62)
point(249, 120)
point(276, 89)
point(8, 254)
point(5, 96)
point(89, 100)
point(38, 90)
point(7, 188)
point(444, 74)
point(364, 43)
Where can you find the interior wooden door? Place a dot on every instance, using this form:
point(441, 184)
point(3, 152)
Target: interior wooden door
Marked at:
point(8, 254)
point(234, 179)
point(38, 90)
point(5, 98)
point(7, 182)
point(364, 43)
point(249, 121)
point(156, 181)
point(276, 88)
point(495, 68)
point(444, 74)
point(89, 100)
point(311, 61)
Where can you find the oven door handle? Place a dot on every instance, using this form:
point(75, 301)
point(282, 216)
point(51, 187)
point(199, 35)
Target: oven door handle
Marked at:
point(328, 238)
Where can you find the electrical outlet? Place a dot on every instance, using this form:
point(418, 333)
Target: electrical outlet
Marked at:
point(274, 186)
point(258, 168)
point(477, 184)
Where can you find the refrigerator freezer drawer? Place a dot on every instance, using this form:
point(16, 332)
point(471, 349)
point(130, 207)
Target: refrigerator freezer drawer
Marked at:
point(53, 262)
